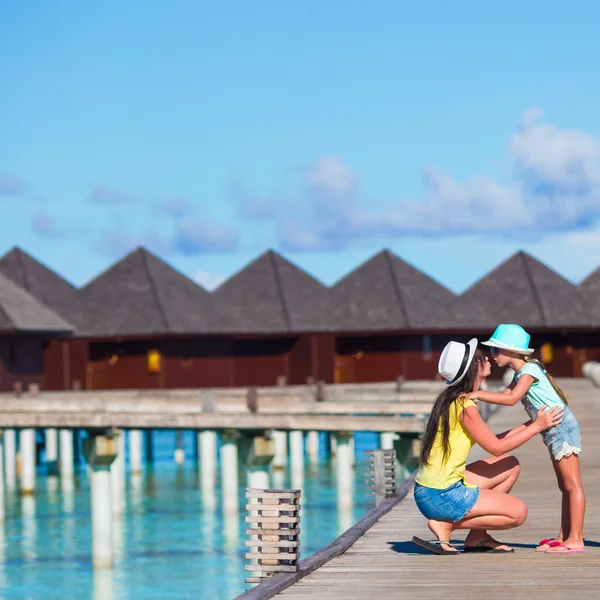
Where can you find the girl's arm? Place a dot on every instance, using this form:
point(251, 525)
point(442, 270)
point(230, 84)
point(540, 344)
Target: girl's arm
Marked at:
point(482, 435)
point(509, 397)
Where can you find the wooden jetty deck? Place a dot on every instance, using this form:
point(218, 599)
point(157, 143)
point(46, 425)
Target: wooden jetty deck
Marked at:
point(372, 407)
point(384, 563)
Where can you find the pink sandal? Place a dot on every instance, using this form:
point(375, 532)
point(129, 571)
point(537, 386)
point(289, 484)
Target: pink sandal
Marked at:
point(565, 550)
point(547, 542)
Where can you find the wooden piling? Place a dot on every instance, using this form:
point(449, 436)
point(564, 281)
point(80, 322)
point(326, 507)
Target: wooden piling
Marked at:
point(275, 535)
point(381, 474)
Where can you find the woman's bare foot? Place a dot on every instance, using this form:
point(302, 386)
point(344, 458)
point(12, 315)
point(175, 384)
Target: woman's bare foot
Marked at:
point(477, 537)
point(442, 531)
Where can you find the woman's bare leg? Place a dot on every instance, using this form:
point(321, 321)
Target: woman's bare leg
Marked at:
point(498, 473)
point(493, 510)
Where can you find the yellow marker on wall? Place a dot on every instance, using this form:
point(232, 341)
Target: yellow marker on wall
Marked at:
point(153, 359)
point(546, 352)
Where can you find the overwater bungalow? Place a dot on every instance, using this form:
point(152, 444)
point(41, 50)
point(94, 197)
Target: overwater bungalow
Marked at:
point(26, 327)
point(525, 291)
point(283, 331)
point(392, 320)
point(143, 324)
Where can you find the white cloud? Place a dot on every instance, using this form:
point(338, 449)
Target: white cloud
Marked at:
point(208, 280)
point(554, 188)
point(330, 174)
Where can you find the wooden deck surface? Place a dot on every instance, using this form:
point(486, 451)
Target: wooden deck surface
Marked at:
point(384, 564)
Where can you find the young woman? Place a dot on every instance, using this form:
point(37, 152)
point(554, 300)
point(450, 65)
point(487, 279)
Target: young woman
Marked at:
point(452, 495)
point(536, 389)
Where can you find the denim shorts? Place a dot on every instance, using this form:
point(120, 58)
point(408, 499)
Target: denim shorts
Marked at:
point(451, 504)
point(563, 439)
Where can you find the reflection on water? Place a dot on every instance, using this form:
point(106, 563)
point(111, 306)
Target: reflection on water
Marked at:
point(174, 537)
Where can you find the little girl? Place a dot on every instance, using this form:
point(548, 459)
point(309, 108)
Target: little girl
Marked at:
point(536, 388)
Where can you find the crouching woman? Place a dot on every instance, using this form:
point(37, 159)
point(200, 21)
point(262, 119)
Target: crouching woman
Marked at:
point(448, 492)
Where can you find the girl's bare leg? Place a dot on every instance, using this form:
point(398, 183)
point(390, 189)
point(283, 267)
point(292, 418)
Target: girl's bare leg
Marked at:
point(573, 501)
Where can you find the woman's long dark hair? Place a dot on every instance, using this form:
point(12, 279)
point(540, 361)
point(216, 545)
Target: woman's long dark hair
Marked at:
point(440, 413)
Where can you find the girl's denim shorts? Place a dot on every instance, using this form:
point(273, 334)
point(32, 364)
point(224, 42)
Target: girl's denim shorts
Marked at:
point(451, 504)
point(565, 438)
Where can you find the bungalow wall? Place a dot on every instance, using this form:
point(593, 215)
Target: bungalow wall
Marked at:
point(368, 358)
point(21, 360)
point(198, 362)
point(184, 363)
point(259, 362)
point(312, 355)
point(65, 364)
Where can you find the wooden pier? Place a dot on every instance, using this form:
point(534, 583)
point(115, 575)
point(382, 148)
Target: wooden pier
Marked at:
point(383, 563)
point(376, 407)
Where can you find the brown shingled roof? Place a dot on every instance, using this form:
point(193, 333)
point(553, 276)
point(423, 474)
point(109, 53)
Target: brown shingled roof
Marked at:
point(590, 292)
point(387, 293)
point(272, 295)
point(523, 290)
point(142, 295)
point(46, 285)
point(20, 312)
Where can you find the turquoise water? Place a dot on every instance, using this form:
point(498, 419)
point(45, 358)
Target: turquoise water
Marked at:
point(173, 540)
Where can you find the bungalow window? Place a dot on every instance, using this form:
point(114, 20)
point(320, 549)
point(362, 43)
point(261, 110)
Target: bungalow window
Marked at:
point(427, 347)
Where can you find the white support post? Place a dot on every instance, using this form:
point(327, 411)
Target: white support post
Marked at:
point(10, 457)
point(258, 453)
point(179, 451)
point(135, 451)
point(297, 458)
point(333, 445)
point(344, 469)
point(27, 452)
point(117, 478)
point(229, 472)
point(101, 517)
point(66, 453)
point(281, 450)
point(386, 440)
point(2, 508)
point(312, 446)
point(207, 447)
point(100, 452)
point(51, 442)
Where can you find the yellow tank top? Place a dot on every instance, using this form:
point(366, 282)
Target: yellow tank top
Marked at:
point(440, 474)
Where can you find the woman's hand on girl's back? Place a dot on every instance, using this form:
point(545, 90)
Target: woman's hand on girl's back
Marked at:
point(548, 417)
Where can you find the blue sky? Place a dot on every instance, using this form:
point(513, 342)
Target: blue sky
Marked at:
point(453, 133)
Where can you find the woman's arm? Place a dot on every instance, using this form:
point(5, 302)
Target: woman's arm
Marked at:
point(482, 435)
point(513, 431)
point(509, 397)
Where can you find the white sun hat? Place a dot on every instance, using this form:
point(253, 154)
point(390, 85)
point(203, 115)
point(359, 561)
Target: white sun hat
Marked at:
point(455, 360)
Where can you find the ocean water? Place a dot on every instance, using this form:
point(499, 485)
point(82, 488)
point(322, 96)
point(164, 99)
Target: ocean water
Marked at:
point(172, 541)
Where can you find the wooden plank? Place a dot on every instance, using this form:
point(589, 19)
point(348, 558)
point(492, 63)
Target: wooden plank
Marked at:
point(274, 507)
point(288, 494)
point(168, 420)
